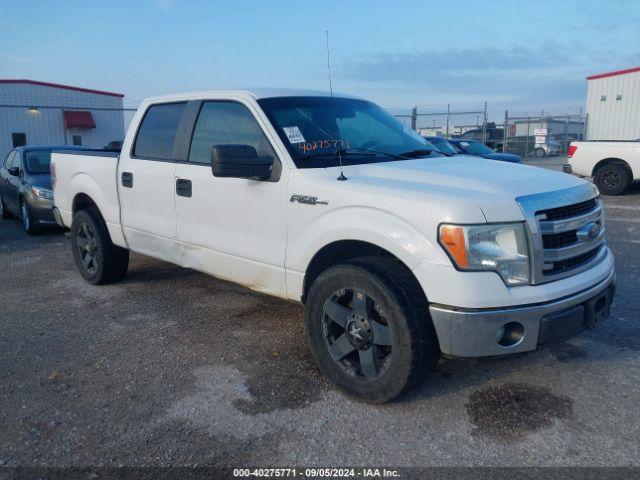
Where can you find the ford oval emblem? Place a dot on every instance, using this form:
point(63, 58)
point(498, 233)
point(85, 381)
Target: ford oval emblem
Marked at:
point(589, 231)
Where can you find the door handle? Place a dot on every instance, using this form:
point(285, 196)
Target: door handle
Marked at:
point(127, 179)
point(183, 187)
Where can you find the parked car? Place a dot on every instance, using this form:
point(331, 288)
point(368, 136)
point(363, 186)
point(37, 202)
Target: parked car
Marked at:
point(548, 148)
point(397, 252)
point(479, 149)
point(493, 137)
point(613, 165)
point(25, 187)
point(442, 145)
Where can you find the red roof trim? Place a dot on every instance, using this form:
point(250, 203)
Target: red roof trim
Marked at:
point(613, 74)
point(66, 87)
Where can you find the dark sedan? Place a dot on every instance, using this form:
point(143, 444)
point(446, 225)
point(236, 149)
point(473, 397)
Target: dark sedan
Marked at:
point(479, 149)
point(25, 187)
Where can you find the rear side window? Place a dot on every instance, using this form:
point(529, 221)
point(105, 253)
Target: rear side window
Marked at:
point(158, 131)
point(222, 123)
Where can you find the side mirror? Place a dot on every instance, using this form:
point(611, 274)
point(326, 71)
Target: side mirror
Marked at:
point(15, 171)
point(240, 161)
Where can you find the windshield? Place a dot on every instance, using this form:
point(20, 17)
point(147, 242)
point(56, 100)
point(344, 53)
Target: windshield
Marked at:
point(475, 148)
point(315, 129)
point(37, 162)
point(443, 146)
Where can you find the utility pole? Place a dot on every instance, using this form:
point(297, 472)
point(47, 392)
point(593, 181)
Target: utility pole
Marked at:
point(506, 129)
point(448, 114)
point(484, 124)
point(414, 118)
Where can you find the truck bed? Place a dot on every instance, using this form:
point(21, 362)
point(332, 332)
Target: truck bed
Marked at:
point(87, 176)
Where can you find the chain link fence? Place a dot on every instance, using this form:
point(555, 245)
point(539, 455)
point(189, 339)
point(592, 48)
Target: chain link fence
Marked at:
point(530, 136)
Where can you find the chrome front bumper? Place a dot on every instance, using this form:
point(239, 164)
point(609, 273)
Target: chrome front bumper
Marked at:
point(503, 331)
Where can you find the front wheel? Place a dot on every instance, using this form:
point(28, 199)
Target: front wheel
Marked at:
point(28, 224)
point(369, 329)
point(539, 152)
point(612, 179)
point(97, 258)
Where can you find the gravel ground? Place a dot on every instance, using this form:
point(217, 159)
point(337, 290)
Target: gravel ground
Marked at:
point(173, 367)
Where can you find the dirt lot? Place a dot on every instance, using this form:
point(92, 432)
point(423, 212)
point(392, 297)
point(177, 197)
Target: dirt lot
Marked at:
point(172, 367)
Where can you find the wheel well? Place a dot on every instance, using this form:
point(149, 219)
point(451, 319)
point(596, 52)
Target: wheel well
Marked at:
point(608, 161)
point(82, 201)
point(344, 251)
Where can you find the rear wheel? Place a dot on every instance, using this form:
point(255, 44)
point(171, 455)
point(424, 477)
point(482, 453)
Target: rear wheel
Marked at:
point(612, 179)
point(97, 258)
point(539, 152)
point(4, 213)
point(369, 329)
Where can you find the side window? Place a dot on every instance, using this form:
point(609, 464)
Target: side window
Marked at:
point(158, 131)
point(225, 123)
point(17, 161)
point(9, 159)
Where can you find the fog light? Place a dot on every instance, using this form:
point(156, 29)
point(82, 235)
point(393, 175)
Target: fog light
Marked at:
point(510, 334)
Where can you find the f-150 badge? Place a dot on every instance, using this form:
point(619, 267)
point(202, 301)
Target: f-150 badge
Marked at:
point(307, 200)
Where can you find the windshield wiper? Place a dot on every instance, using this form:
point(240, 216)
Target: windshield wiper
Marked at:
point(363, 152)
point(421, 152)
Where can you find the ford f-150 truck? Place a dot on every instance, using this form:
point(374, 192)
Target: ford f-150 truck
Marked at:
point(613, 165)
point(398, 253)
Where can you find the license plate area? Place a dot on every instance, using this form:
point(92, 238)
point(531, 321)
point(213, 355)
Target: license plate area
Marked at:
point(560, 326)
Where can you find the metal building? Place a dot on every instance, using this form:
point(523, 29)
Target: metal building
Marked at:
point(39, 113)
point(613, 105)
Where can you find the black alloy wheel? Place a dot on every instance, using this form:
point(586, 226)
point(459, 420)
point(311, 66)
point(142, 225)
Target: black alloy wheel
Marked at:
point(86, 244)
point(357, 334)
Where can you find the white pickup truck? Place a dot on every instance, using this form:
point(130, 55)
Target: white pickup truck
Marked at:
point(614, 165)
point(398, 253)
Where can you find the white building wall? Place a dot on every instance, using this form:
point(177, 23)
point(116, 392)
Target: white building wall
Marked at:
point(46, 125)
point(613, 119)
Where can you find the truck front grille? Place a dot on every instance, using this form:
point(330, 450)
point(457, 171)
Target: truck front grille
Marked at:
point(567, 233)
point(560, 213)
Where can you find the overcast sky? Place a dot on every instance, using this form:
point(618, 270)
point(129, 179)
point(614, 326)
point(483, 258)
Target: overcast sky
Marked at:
point(521, 55)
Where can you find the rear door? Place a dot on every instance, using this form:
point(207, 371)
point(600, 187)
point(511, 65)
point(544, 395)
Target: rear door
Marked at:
point(146, 183)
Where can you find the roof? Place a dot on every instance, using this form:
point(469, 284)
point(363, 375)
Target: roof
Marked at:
point(255, 93)
point(64, 87)
point(614, 73)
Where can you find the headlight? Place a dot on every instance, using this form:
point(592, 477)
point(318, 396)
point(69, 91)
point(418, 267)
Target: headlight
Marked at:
point(42, 192)
point(500, 248)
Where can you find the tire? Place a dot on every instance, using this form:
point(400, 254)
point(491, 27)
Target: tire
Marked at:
point(397, 345)
point(4, 213)
point(539, 152)
point(28, 224)
point(97, 258)
point(612, 179)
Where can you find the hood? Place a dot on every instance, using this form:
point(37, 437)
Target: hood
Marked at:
point(492, 185)
point(503, 157)
point(41, 180)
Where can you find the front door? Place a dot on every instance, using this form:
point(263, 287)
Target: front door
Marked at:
point(232, 228)
point(146, 184)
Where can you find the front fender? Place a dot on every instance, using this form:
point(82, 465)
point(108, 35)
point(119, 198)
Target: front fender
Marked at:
point(366, 224)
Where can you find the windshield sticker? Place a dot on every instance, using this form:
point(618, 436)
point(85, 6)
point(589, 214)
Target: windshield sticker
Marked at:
point(320, 144)
point(464, 144)
point(293, 134)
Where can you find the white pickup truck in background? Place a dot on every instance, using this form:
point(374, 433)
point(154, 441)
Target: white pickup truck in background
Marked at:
point(614, 165)
point(398, 253)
